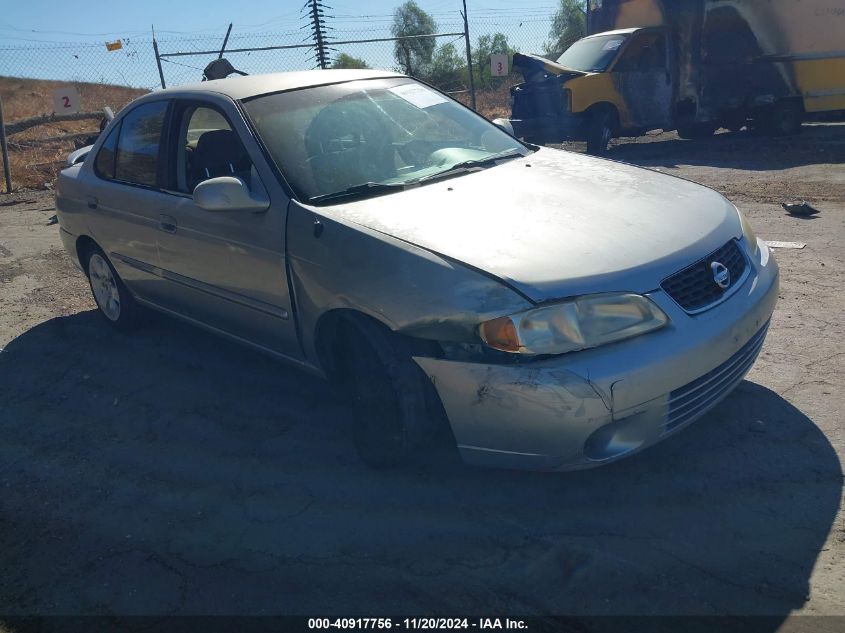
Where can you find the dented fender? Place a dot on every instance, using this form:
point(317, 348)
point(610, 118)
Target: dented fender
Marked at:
point(336, 264)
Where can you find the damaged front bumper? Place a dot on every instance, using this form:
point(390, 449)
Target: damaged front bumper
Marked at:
point(589, 408)
point(550, 129)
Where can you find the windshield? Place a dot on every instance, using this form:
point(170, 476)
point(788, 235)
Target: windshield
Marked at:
point(592, 54)
point(372, 136)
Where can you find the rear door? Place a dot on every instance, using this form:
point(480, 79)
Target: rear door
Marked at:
point(644, 80)
point(224, 269)
point(123, 194)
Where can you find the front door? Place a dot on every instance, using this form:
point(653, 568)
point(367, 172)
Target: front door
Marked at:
point(224, 269)
point(643, 78)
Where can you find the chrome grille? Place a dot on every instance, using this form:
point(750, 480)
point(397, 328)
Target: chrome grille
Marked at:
point(693, 288)
point(694, 399)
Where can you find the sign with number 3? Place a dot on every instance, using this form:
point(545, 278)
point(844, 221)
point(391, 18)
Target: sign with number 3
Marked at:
point(65, 100)
point(499, 65)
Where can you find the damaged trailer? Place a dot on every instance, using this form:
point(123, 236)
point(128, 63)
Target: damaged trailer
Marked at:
point(689, 65)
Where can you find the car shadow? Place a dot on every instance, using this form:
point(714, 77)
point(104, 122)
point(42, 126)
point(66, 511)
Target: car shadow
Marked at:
point(169, 472)
point(823, 143)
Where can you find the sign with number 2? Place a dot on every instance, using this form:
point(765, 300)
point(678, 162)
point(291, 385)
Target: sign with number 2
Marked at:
point(65, 100)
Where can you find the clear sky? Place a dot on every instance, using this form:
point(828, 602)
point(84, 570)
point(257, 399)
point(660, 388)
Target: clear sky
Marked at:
point(45, 27)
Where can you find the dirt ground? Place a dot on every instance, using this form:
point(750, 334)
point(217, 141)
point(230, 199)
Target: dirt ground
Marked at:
point(168, 472)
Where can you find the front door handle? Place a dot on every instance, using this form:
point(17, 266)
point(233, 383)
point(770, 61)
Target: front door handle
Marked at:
point(92, 202)
point(167, 223)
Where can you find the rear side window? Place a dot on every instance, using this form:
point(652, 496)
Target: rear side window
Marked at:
point(138, 144)
point(104, 165)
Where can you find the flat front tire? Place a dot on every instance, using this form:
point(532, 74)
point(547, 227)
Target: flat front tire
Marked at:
point(114, 302)
point(393, 414)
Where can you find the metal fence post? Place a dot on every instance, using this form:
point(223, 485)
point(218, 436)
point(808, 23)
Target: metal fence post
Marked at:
point(469, 56)
point(158, 63)
point(7, 171)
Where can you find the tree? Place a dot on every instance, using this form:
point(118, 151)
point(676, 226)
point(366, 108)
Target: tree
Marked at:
point(448, 68)
point(486, 46)
point(568, 26)
point(348, 61)
point(413, 55)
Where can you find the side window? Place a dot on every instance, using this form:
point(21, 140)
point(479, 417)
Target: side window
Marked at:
point(138, 145)
point(208, 147)
point(647, 52)
point(104, 163)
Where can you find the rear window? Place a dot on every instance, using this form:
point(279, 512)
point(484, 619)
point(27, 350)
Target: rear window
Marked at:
point(104, 164)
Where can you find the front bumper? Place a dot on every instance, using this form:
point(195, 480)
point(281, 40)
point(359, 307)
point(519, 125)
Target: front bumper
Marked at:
point(550, 129)
point(589, 408)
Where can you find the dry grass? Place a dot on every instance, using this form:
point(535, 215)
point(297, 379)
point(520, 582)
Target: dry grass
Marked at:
point(491, 102)
point(35, 165)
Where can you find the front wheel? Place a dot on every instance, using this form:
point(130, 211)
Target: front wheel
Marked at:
point(601, 127)
point(113, 300)
point(395, 412)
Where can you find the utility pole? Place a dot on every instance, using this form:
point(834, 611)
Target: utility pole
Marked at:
point(469, 56)
point(318, 31)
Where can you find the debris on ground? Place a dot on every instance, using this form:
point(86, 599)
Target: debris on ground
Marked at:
point(801, 209)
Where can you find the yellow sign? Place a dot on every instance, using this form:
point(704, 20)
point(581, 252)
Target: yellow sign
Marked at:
point(114, 46)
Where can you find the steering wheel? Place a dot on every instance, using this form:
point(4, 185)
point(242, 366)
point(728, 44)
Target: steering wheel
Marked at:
point(416, 152)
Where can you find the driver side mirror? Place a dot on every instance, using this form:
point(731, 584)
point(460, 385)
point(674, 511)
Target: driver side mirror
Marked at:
point(229, 193)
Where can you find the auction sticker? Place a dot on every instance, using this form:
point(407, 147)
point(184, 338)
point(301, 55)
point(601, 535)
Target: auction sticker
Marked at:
point(418, 95)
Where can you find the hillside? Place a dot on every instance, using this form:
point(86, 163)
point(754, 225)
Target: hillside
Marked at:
point(34, 164)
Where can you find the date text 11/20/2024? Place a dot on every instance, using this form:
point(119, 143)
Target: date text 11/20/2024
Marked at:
point(430, 624)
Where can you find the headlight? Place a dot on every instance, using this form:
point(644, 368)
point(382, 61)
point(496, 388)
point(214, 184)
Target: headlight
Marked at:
point(748, 233)
point(581, 323)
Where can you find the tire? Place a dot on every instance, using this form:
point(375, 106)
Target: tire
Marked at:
point(783, 119)
point(601, 128)
point(695, 131)
point(396, 411)
point(114, 302)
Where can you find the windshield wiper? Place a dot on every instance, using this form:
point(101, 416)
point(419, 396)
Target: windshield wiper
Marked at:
point(363, 190)
point(472, 165)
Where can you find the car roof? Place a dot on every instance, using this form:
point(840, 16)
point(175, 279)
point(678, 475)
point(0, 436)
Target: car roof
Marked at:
point(253, 85)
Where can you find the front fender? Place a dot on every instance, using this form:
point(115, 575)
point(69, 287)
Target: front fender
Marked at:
point(336, 264)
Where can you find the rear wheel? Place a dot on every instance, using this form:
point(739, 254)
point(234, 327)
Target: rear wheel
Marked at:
point(113, 300)
point(395, 407)
point(601, 128)
point(783, 119)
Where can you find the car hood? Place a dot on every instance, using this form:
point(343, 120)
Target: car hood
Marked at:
point(536, 68)
point(558, 224)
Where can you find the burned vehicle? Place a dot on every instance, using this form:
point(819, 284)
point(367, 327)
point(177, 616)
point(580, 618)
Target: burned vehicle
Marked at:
point(690, 65)
point(548, 310)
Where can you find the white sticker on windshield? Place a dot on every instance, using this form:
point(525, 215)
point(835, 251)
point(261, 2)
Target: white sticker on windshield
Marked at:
point(612, 45)
point(418, 95)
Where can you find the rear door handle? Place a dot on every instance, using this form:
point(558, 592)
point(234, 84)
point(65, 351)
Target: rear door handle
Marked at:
point(92, 202)
point(167, 223)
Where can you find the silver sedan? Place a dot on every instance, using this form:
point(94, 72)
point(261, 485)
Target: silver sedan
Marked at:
point(543, 309)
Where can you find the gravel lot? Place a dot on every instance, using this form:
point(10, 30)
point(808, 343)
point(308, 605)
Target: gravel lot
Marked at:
point(173, 473)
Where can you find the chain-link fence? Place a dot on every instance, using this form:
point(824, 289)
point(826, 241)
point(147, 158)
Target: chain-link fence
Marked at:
point(105, 77)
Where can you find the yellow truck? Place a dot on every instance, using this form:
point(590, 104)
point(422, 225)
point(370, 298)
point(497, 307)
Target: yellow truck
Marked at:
point(688, 65)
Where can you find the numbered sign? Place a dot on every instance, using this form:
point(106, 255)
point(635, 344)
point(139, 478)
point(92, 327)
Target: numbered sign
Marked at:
point(65, 100)
point(499, 65)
